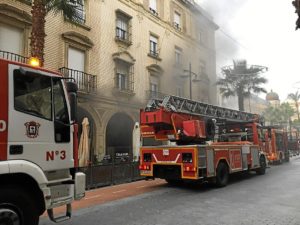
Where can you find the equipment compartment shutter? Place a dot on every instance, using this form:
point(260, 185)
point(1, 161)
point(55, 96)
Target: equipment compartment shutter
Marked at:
point(255, 157)
point(210, 162)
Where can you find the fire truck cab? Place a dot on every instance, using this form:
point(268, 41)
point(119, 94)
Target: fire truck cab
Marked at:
point(38, 144)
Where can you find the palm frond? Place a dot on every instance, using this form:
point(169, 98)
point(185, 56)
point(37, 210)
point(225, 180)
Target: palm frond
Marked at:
point(227, 92)
point(258, 90)
point(67, 7)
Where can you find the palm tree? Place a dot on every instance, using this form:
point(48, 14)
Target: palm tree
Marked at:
point(40, 8)
point(241, 80)
point(272, 115)
point(286, 112)
point(278, 115)
point(295, 97)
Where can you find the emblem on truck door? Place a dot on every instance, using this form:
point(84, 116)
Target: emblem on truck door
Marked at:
point(32, 129)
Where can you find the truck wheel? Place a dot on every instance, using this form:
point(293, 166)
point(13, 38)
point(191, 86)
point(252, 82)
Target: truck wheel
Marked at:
point(287, 157)
point(263, 165)
point(222, 175)
point(17, 208)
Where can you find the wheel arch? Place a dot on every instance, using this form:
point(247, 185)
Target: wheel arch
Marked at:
point(28, 184)
point(262, 154)
point(26, 175)
point(26, 167)
point(223, 160)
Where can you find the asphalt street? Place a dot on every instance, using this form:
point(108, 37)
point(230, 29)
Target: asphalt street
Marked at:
point(271, 199)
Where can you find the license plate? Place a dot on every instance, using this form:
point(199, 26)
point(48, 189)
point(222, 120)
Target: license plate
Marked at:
point(166, 152)
point(147, 172)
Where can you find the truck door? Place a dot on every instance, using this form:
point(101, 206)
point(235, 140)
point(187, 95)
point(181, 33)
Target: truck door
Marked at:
point(39, 129)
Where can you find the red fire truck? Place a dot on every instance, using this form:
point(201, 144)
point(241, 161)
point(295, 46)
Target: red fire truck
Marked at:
point(191, 125)
point(276, 144)
point(38, 144)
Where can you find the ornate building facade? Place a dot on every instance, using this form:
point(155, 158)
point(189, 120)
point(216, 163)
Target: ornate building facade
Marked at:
point(121, 53)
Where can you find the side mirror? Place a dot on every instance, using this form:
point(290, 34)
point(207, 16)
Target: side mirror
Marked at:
point(72, 89)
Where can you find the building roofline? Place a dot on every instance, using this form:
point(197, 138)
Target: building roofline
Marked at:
point(196, 8)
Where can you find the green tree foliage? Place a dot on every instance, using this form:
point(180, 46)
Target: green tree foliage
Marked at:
point(40, 9)
point(241, 80)
point(295, 97)
point(278, 115)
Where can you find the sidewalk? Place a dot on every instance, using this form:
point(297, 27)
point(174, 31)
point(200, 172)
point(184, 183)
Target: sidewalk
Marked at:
point(112, 193)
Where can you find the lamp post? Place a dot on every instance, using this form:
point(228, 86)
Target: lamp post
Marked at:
point(190, 74)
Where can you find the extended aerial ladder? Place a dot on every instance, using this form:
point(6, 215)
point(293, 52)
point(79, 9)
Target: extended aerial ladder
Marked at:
point(179, 119)
point(183, 105)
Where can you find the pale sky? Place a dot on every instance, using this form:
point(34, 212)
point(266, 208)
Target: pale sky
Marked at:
point(265, 34)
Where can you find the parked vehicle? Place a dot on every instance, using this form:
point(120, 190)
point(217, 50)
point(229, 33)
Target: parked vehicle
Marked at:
point(38, 144)
point(211, 142)
point(276, 144)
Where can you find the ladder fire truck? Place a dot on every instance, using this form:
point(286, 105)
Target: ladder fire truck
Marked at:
point(191, 125)
point(38, 144)
point(275, 143)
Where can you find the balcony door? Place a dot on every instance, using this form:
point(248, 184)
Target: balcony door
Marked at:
point(11, 39)
point(76, 62)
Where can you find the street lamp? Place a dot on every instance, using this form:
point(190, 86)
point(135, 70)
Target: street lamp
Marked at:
point(190, 74)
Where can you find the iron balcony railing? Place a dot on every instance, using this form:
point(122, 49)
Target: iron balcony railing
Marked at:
point(13, 57)
point(153, 53)
point(155, 94)
point(86, 82)
point(123, 35)
point(153, 11)
point(124, 85)
point(177, 26)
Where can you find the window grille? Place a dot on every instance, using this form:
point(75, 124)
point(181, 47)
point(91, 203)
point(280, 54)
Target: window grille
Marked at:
point(123, 28)
point(124, 77)
point(79, 16)
point(177, 20)
point(153, 46)
point(153, 7)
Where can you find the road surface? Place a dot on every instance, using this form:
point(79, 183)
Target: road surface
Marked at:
point(271, 199)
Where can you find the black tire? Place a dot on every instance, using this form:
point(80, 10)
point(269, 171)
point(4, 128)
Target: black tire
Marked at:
point(263, 165)
point(287, 157)
point(17, 207)
point(222, 175)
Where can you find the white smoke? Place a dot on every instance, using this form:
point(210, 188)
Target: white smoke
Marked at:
point(224, 12)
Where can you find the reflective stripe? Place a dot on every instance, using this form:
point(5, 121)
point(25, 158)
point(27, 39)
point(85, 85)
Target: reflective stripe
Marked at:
point(3, 109)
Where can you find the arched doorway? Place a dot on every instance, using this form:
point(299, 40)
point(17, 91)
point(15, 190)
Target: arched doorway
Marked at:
point(119, 136)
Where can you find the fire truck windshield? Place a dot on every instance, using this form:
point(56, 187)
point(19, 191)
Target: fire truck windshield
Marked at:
point(32, 94)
